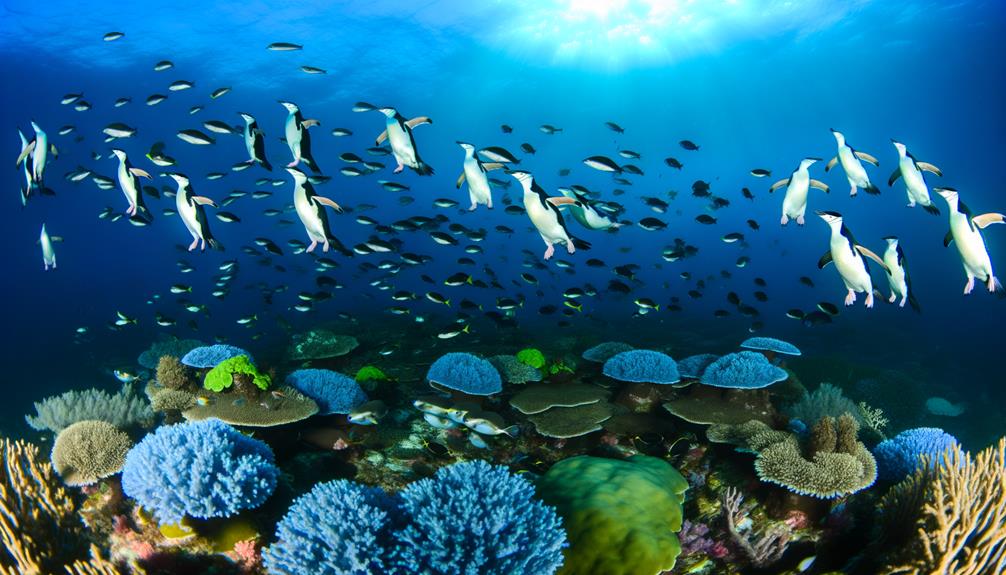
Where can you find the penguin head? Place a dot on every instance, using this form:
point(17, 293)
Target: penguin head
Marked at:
point(35, 127)
point(902, 150)
point(119, 154)
point(892, 241)
point(290, 106)
point(180, 179)
point(839, 136)
point(831, 218)
point(388, 111)
point(808, 162)
point(467, 147)
point(948, 194)
point(299, 176)
point(248, 118)
point(525, 178)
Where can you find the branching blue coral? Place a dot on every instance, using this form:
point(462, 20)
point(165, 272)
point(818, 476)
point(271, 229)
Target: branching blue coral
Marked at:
point(742, 370)
point(642, 365)
point(477, 519)
point(209, 356)
point(200, 470)
point(899, 456)
point(338, 528)
point(466, 373)
point(770, 344)
point(331, 390)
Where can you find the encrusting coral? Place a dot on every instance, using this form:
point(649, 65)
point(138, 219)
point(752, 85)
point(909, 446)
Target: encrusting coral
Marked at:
point(123, 409)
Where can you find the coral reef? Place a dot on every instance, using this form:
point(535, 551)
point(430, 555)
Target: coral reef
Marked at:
point(759, 549)
point(642, 366)
point(900, 456)
point(172, 400)
point(278, 407)
point(742, 370)
point(826, 401)
point(173, 374)
point(620, 515)
point(708, 405)
point(332, 391)
point(230, 371)
point(210, 356)
point(568, 422)
point(692, 366)
point(532, 357)
point(541, 397)
point(172, 347)
point(370, 373)
point(201, 470)
point(466, 373)
point(123, 409)
point(88, 451)
point(602, 352)
point(770, 344)
point(319, 344)
point(514, 371)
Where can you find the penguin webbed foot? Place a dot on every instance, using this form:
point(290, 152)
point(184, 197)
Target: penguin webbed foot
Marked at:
point(399, 169)
point(799, 220)
point(850, 298)
point(970, 286)
point(784, 220)
point(549, 251)
point(894, 297)
point(193, 245)
point(869, 300)
point(311, 247)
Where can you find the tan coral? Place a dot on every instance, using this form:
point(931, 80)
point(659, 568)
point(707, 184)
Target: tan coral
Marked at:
point(88, 451)
point(543, 396)
point(568, 422)
point(172, 374)
point(279, 407)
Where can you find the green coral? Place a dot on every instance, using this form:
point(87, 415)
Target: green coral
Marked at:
point(621, 515)
point(221, 377)
point(531, 356)
point(558, 366)
point(370, 373)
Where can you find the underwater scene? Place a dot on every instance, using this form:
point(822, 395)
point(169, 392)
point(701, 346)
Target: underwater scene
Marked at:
point(523, 287)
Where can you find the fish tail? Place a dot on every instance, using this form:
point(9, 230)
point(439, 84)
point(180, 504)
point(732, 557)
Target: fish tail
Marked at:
point(512, 431)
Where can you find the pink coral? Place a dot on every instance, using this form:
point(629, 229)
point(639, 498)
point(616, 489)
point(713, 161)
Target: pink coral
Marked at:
point(796, 519)
point(246, 555)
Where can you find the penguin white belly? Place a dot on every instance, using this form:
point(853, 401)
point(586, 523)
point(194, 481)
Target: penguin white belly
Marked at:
point(40, 156)
point(308, 214)
point(850, 266)
point(249, 143)
point(971, 247)
point(854, 170)
point(293, 136)
point(545, 221)
point(594, 220)
point(896, 275)
point(401, 145)
point(478, 184)
point(918, 192)
point(187, 212)
point(794, 205)
point(126, 182)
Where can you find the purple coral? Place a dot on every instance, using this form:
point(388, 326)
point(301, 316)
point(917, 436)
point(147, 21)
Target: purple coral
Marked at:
point(695, 540)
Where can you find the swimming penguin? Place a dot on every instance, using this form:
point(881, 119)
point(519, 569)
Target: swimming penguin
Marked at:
point(910, 170)
point(255, 142)
point(586, 215)
point(191, 209)
point(311, 210)
point(129, 181)
point(965, 231)
point(26, 190)
point(854, 170)
point(48, 254)
point(848, 258)
point(298, 138)
point(897, 274)
point(403, 145)
point(544, 214)
point(794, 205)
point(40, 155)
point(479, 190)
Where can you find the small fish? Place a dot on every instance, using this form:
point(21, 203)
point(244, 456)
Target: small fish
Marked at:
point(82, 106)
point(122, 319)
point(828, 308)
point(70, 99)
point(506, 129)
point(179, 85)
point(219, 127)
point(528, 148)
point(733, 237)
point(705, 219)
point(761, 173)
point(689, 145)
point(195, 137)
point(228, 217)
point(119, 130)
point(342, 132)
point(284, 47)
point(163, 65)
point(125, 376)
point(549, 129)
point(498, 154)
point(312, 70)
point(615, 127)
point(674, 163)
point(181, 288)
point(452, 333)
point(368, 413)
point(113, 36)
point(155, 99)
point(603, 163)
point(247, 319)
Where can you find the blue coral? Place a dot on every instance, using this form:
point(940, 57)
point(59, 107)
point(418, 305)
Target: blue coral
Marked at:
point(770, 344)
point(338, 528)
point(200, 470)
point(693, 365)
point(642, 365)
point(331, 390)
point(901, 455)
point(466, 373)
point(209, 356)
point(477, 519)
point(742, 370)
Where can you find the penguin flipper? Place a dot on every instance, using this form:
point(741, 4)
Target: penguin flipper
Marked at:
point(418, 121)
point(825, 260)
point(894, 176)
point(868, 253)
point(779, 184)
point(561, 201)
point(381, 137)
point(461, 180)
point(831, 164)
point(867, 158)
point(948, 239)
point(819, 185)
point(489, 166)
point(310, 122)
point(140, 172)
point(25, 153)
point(927, 167)
point(204, 201)
point(328, 202)
point(985, 220)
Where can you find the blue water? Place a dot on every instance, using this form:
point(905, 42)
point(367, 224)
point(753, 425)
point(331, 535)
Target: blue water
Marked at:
point(755, 84)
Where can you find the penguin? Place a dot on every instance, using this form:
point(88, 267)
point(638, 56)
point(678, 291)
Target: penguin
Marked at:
point(545, 215)
point(129, 181)
point(255, 142)
point(479, 190)
point(311, 210)
point(910, 171)
point(965, 231)
point(48, 254)
point(298, 138)
point(847, 256)
point(26, 190)
point(854, 170)
point(586, 215)
point(191, 209)
point(897, 274)
point(40, 155)
point(794, 205)
point(403, 145)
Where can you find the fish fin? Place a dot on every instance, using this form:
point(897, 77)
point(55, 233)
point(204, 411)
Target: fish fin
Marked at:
point(25, 153)
point(819, 185)
point(381, 138)
point(141, 173)
point(489, 166)
point(927, 167)
point(931, 209)
point(866, 252)
point(825, 260)
point(461, 180)
point(831, 164)
point(513, 430)
point(204, 201)
point(894, 176)
point(867, 158)
point(310, 122)
point(948, 239)
point(561, 200)
point(418, 121)
point(778, 185)
point(985, 220)
point(328, 202)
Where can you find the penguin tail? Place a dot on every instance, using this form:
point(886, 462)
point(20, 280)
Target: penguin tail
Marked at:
point(215, 244)
point(914, 303)
point(872, 189)
point(998, 287)
point(265, 164)
point(424, 169)
point(931, 209)
point(581, 244)
point(340, 247)
point(309, 160)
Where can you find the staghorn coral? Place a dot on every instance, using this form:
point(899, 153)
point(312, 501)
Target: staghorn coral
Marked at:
point(96, 565)
point(173, 374)
point(39, 525)
point(873, 418)
point(761, 549)
point(88, 451)
point(961, 528)
point(123, 409)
